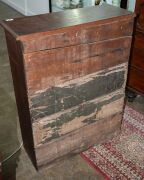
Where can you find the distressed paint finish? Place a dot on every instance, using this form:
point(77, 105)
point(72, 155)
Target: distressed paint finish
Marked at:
point(77, 91)
point(59, 124)
point(45, 69)
point(79, 139)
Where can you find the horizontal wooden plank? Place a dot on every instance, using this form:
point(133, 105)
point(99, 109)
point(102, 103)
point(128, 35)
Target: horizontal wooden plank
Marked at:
point(77, 91)
point(59, 124)
point(113, 29)
point(79, 140)
point(44, 69)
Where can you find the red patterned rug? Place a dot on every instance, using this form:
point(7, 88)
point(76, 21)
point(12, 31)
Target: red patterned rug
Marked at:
point(121, 158)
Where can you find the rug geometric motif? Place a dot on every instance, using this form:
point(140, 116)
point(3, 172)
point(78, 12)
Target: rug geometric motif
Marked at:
point(121, 158)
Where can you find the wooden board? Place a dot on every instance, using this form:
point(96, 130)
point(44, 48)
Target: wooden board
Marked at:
point(64, 122)
point(136, 68)
point(79, 140)
point(94, 33)
point(29, 27)
point(136, 79)
point(78, 91)
point(44, 69)
point(138, 58)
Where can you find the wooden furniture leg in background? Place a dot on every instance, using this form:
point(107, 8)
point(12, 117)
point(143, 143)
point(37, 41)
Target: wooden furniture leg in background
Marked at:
point(135, 84)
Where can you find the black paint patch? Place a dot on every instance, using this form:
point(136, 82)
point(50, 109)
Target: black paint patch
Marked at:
point(61, 98)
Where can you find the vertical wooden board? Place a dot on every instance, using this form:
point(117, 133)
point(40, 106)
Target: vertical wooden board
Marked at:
point(17, 69)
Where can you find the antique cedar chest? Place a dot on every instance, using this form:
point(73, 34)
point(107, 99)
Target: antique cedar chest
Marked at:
point(69, 71)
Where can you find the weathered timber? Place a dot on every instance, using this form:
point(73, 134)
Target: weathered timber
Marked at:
point(47, 68)
point(95, 33)
point(69, 72)
point(59, 124)
point(75, 92)
point(32, 27)
point(79, 140)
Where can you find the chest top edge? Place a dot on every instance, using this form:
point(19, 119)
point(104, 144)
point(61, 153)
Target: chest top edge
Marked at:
point(25, 27)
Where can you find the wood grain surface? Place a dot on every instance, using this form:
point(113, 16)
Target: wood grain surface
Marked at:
point(26, 27)
point(136, 67)
point(89, 34)
point(64, 122)
point(77, 91)
point(136, 79)
point(20, 89)
point(44, 69)
point(79, 140)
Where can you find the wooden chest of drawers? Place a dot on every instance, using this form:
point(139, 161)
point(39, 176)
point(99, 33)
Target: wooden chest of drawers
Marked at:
point(69, 72)
point(136, 69)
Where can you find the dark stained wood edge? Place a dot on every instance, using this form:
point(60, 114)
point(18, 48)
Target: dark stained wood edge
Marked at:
point(17, 69)
point(76, 27)
point(79, 140)
point(61, 30)
point(136, 79)
point(123, 15)
point(135, 82)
